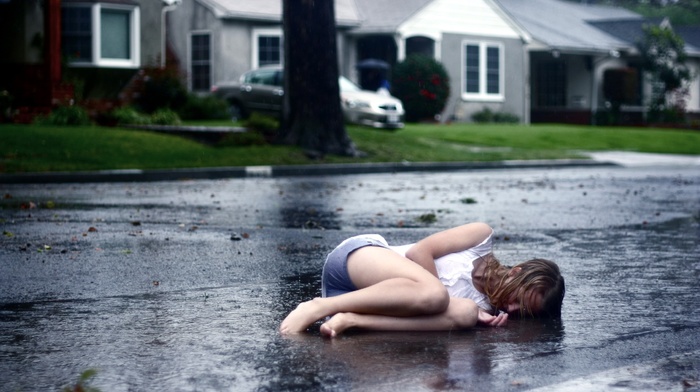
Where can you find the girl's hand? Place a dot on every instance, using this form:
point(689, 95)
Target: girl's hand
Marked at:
point(489, 320)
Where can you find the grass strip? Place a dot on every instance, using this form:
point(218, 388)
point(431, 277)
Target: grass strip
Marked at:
point(31, 148)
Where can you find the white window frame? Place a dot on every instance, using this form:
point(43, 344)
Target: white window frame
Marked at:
point(208, 33)
point(257, 33)
point(483, 95)
point(134, 60)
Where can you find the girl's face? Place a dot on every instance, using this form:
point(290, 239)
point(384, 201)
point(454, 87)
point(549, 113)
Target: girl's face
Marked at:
point(531, 300)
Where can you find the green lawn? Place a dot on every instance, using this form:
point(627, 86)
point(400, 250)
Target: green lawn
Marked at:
point(30, 148)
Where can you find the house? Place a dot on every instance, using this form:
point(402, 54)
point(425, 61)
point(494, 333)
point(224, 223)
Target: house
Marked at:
point(584, 57)
point(218, 40)
point(479, 46)
point(542, 60)
point(57, 50)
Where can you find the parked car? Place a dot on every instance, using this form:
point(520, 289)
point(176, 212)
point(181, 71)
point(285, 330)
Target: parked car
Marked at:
point(261, 91)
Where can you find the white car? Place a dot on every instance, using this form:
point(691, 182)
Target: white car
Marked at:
point(261, 91)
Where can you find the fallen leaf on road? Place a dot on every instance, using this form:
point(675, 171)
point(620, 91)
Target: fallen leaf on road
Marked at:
point(427, 218)
point(27, 206)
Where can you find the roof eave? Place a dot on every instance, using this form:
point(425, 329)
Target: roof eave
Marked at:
point(275, 19)
point(613, 52)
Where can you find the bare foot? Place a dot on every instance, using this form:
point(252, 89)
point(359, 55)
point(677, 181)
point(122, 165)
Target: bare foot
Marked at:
point(336, 325)
point(300, 318)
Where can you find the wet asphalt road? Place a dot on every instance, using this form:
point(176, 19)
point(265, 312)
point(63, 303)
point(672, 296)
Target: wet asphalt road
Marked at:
point(180, 286)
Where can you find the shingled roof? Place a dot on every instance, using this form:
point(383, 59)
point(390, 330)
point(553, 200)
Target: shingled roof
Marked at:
point(385, 16)
point(569, 26)
point(346, 13)
point(691, 36)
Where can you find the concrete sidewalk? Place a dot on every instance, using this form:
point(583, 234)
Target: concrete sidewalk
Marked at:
point(629, 159)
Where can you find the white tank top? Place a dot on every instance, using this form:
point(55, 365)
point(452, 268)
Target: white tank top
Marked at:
point(455, 271)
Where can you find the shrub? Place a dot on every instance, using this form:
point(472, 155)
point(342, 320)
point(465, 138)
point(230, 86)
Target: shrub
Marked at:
point(422, 84)
point(482, 117)
point(502, 117)
point(162, 88)
point(242, 139)
point(165, 117)
point(65, 115)
point(265, 126)
point(204, 108)
point(262, 123)
point(488, 116)
point(129, 116)
point(261, 130)
point(664, 57)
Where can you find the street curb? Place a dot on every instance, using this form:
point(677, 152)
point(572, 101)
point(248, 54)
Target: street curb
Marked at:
point(137, 175)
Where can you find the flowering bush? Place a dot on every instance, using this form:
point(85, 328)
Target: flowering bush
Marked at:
point(422, 84)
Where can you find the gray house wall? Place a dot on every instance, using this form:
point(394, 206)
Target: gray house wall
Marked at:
point(192, 17)
point(235, 51)
point(515, 96)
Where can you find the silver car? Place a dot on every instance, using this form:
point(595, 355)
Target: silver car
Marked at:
point(261, 91)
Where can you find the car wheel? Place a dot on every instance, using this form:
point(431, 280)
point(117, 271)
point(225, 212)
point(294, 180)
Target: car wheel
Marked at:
point(237, 112)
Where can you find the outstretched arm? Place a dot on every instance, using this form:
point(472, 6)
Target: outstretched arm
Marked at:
point(456, 239)
point(461, 313)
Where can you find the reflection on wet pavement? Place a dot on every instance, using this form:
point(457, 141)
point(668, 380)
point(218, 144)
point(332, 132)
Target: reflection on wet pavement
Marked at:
point(162, 295)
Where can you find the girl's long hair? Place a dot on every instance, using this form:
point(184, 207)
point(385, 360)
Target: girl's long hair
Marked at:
point(539, 275)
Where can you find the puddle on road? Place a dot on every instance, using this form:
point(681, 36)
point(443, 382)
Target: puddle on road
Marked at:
point(309, 218)
point(225, 338)
point(204, 339)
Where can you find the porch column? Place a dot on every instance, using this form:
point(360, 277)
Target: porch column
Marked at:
point(400, 47)
point(594, 89)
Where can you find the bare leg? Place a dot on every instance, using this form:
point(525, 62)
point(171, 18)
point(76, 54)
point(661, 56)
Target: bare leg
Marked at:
point(460, 314)
point(388, 284)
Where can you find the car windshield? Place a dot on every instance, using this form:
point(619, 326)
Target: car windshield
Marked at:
point(346, 85)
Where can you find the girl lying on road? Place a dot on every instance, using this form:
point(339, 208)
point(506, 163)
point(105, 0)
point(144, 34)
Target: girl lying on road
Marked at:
point(447, 280)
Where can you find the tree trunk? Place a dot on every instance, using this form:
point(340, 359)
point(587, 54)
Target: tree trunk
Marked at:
point(312, 117)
